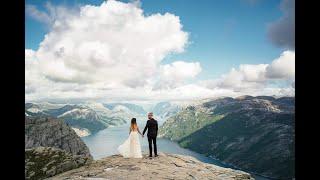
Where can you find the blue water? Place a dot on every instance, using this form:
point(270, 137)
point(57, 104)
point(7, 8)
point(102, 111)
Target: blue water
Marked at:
point(106, 142)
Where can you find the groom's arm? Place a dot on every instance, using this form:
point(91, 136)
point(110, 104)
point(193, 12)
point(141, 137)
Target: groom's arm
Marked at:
point(145, 128)
point(156, 128)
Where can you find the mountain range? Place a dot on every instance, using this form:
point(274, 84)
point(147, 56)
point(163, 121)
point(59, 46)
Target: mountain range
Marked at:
point(255, 134)
point(164, 110)
point(91, 117)
point(87, 117)
point(54, 151)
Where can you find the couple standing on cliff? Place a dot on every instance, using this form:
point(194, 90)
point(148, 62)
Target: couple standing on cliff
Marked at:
point(131, 148)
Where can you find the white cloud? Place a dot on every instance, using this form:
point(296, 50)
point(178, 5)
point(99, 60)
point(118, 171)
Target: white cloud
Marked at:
point(283, 67)
point(247, 76)
point(110, 46)
point(115, 52)
point(251, 78)
point(181, 70)
point(114, 42)
point(32, 74)
point(175, 74)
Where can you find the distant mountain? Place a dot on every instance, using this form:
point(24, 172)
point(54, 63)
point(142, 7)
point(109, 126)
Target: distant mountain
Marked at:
point(52, 147)
point(253, 133)
point(79, 116)
point(132, 107)
point(126, 111)
point(87, 118)
point(165, 109)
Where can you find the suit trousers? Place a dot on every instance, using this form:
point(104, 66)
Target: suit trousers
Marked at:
point(154, 141)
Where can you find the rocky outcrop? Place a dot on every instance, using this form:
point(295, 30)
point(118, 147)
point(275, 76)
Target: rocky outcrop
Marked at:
point(52, 147)
point(51, 132)
point(42, 162)
point(255, 134)
point(166, 166)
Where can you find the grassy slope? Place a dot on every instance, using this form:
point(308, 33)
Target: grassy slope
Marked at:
point(187, 122)
point(256, 147)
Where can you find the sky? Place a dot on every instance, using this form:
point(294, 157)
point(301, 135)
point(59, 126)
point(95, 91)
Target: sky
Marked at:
point(158, 50)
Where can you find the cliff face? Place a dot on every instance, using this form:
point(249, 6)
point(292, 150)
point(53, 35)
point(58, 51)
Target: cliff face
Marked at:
point(51, 132)
point(166, 166)
point(253, 133)
point(52, 147)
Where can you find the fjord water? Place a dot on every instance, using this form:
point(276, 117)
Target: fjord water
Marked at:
point(106, 142)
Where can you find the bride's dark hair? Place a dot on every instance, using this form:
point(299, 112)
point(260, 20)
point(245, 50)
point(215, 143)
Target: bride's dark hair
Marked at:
point(133, 123)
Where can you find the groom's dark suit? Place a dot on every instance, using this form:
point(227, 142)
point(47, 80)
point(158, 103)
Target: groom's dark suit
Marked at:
point(152, 126)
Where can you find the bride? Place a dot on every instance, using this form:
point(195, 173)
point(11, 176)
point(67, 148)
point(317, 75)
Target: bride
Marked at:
point(131, 147)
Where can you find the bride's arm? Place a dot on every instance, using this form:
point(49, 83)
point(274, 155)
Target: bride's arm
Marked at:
point(139, 132)
point(129, 130)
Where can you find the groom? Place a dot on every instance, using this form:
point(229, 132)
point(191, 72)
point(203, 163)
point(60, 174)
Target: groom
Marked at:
point(152, 126)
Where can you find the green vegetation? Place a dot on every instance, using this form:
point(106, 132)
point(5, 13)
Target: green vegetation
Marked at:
point(259, 147)
point(250, 133)
point(43, 162)
point(187, 122)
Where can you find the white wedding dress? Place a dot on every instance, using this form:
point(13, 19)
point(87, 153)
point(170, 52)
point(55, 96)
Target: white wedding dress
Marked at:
point(131, 147)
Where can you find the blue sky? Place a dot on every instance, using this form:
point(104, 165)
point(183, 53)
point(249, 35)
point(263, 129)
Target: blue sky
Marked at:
point(233, 47)
point(223, 33)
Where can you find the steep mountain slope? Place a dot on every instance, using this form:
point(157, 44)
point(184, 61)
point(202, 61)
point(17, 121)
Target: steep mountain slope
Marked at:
point(51, 132)
point(81, 116)
point(253, 133)
point(52, 147)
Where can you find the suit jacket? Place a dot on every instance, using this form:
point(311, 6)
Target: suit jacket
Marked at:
point(152, 126)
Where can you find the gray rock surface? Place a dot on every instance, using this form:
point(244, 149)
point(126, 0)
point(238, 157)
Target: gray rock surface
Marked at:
point(52, 147)
point(51, 132)
point(166, 166)
point(42, 162)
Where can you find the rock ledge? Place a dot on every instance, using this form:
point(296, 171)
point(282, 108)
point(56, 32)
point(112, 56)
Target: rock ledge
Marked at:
point(166, 166)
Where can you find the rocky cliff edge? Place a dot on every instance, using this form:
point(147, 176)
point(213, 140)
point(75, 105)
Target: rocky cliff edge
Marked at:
point(166, 166)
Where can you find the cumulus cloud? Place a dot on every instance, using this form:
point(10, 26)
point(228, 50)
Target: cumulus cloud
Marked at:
point(256, 77)
point(113, 45)
point(175, 74)
point(114, 51)
point(282, 31)
point(32, 74)
point(114, 42)
point(282, 67)
point(246, 73)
